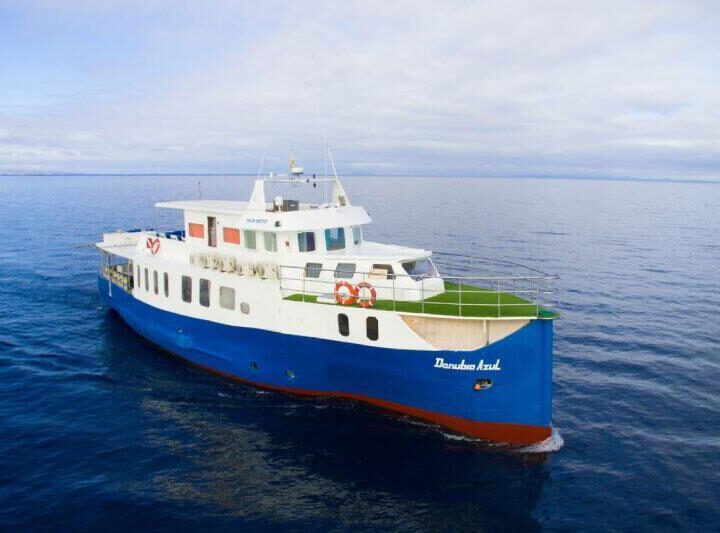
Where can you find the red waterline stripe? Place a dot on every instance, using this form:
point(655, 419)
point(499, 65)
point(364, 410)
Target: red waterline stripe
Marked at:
point(517, 434)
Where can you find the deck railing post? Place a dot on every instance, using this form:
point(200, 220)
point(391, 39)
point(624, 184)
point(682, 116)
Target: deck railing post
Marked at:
point(422, 295)
point(497, 290)
point(460, 302)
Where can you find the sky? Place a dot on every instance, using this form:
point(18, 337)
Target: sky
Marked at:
point(508, 88)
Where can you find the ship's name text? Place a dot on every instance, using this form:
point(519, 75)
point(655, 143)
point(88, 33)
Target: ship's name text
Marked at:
point(462, 365)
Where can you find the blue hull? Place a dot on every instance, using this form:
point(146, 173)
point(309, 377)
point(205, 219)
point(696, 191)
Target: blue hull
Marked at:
point(515, 409)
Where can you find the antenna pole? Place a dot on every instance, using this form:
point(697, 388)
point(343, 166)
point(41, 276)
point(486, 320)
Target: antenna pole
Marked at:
point(262, 161)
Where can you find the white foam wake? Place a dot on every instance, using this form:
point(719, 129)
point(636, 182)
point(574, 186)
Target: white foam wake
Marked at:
point(552, 444)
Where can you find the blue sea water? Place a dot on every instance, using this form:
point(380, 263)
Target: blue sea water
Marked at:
point(99, 429)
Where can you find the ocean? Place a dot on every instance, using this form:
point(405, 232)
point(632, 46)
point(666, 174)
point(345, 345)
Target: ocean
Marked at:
point(101, 430)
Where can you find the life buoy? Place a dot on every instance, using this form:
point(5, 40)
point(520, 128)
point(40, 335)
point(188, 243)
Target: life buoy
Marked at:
point(345, 300)
point(153, 245)
point(366, 302)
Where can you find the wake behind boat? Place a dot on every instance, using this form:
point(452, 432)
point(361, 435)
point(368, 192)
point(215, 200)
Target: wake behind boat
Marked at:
point(290, 296)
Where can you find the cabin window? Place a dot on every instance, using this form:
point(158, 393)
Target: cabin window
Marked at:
point(422, 268)
point(382, 272)
point(334, 239)
point(166, 284)
point(147, 282)
point(231, 235)
point(137, 278)
point(187, 289)
point(227, 297)
point(343, 325)
point(372, 328)
point(212, 231)
point(250, 240)
point(306, 241)
point(196, 230)
point(205, 292)
point(155, 281)
point(245, 308)
point(270, 240)
point(313, 270)
point(357, 235)
point(345, 270)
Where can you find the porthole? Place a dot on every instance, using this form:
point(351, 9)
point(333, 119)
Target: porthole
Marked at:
point(290, 374)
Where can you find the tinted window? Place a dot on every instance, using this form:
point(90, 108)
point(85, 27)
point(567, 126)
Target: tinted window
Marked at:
point(270, 241)
point(166, 284)
point(306, 241)
point(137, 278)
point(420, 269)
point(343, 325)
point(335, 239)
point(250, 242)
point(205, 292)
point(372, 328)
point(345, 270)
point(245, 308)
point(155, 281)
point(313, 270)
point(357, 235)
point(187, 289)
point(227, 297)
point(147, 282)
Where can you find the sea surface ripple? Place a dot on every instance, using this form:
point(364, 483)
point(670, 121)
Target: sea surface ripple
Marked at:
point(102, 430)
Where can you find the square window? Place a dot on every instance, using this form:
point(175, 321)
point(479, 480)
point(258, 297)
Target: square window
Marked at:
point(196, 230)
point(250, 240)
point(306, 241)
point(345, 270)
point(313, 270)
point(231, 235)
point(270, 239)
point(227, 297)
point(334, 239)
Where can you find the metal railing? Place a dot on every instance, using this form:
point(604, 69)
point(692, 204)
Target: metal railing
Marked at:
point(455, 291)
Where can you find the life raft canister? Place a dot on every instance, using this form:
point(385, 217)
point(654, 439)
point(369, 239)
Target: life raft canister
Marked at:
point(366, 302)
point(345, 300)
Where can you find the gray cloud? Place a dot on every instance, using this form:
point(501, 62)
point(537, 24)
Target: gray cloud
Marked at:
point(493, 88)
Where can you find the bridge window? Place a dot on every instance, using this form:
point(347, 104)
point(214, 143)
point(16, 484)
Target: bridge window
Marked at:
point(205, 292)
point(334, 239)
point(343, 325)
point(372, 328)
point(155, 281)
point(196, 230)
point(423, 268)
point(166, 284)
point(231, 235)
point(306, 241)
point(270, 240)
point(250, 239)
point(357, 235)
point(227, 297)
point(313, 270)
point(345, 270)
point(187, 289)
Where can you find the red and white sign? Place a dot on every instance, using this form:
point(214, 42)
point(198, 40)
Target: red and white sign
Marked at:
point(153, 244)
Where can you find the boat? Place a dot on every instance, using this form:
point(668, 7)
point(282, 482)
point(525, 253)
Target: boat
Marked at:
point(288, 295)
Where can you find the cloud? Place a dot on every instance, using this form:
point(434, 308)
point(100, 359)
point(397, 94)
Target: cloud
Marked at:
point(491, 88)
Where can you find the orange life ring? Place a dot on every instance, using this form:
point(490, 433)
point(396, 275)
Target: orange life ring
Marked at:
point(345, 300)
point(366, 302)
